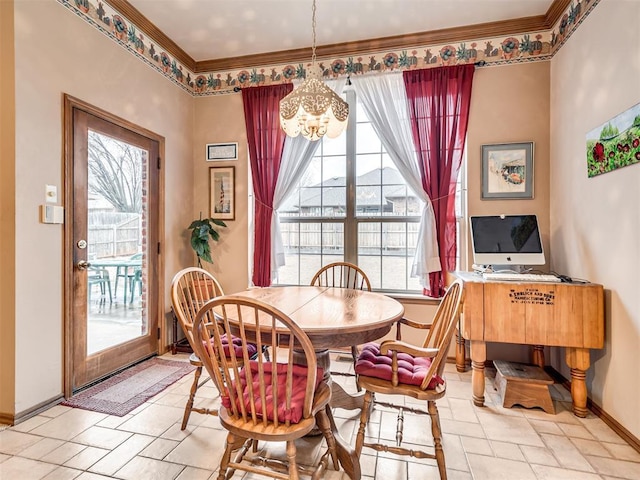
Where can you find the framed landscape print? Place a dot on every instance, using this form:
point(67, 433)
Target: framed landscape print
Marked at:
point(507, 171)
point(222, 196)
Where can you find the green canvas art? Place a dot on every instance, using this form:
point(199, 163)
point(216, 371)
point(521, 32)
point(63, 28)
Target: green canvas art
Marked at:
point(614, 144)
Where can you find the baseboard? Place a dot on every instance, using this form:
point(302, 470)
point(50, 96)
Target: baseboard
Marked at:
point(35, 410)
point(597, 410)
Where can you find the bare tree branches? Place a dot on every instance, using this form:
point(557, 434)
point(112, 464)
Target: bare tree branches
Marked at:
point(115, 172)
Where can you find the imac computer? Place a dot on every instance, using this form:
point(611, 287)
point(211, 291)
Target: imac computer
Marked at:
point(506, 241)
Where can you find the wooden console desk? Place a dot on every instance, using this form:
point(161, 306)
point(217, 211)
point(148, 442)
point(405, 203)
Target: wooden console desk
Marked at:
point(569, 315)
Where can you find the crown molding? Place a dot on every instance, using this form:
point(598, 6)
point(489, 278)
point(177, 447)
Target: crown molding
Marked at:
point(520, 40)
point(455, 34)
point(397, 42)
point(150, 29)
point(556, 9)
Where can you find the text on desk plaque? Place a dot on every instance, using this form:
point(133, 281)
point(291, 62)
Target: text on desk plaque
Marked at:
point(532, 296)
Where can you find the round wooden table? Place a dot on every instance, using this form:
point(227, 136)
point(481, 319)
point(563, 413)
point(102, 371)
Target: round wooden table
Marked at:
point(333, 318)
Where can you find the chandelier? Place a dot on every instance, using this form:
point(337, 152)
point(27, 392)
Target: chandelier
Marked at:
point(313, 109)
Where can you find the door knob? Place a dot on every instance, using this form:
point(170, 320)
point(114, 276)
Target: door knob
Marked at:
point(83, 265)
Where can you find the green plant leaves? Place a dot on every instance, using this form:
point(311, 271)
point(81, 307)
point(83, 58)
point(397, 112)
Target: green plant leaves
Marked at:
point(201, 230)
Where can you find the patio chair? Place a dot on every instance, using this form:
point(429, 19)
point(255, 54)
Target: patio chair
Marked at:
point(128, 274)
point(99, 276)
point(343, 275)
point(134, 281)
point(277, 400)
point(395, 367)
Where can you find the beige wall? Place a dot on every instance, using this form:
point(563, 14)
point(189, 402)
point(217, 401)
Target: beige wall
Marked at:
point(595, 222)
point(57, 53)
point(588, 82)
point(220, 119)
point(510, 104)
point(7, 210)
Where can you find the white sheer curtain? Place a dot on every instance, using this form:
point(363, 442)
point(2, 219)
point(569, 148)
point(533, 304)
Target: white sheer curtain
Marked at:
point(296, 156)
point(383, 98)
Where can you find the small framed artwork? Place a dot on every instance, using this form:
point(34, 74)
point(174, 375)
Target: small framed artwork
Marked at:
point(507, 171)
point(222, 196)
point(222, 151)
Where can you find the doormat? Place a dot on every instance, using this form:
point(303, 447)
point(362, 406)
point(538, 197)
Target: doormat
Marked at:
point(130, 388)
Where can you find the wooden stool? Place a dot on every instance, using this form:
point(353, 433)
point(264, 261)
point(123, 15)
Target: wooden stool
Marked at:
point(526, 385)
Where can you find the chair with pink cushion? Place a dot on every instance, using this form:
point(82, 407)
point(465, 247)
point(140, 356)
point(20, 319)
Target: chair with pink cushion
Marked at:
point(191, 288)
point(395, 367)
point(280, 399)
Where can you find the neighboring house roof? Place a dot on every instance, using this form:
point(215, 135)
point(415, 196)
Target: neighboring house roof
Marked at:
point(331, 192)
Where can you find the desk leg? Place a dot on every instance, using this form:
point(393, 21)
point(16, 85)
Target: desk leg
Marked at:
point(461, 361)
point(538, 355)
point(478, 357)
point(578, 361)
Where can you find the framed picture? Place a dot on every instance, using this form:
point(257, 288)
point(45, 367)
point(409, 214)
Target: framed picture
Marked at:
point(614, 144)
point(222, 151)
point(507, 170)
point(222, 196)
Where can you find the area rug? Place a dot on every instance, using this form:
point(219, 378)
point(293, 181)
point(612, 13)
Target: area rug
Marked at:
point(130, 388)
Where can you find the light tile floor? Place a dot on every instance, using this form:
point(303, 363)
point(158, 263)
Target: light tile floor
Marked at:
point(480, 443)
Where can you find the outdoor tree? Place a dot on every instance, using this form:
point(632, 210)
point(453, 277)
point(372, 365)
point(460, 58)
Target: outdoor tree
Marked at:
point(115, 172)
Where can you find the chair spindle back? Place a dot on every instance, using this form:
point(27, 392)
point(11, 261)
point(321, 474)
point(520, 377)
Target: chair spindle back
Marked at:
point(442, 329)
point(343, 275)
point(191, 288)
point(274, 380)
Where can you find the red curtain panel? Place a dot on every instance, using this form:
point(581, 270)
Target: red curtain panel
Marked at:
point(266, 141)
point(439, 101)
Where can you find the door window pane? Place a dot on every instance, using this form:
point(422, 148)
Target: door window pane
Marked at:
point(115, 277)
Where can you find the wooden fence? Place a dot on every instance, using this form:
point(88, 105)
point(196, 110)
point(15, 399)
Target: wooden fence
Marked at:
point(114, 234)
point(330, 236)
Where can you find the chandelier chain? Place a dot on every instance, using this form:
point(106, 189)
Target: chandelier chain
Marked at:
point(313, 30)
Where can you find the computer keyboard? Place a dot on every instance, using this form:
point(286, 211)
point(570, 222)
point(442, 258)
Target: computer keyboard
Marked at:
point(520, 277)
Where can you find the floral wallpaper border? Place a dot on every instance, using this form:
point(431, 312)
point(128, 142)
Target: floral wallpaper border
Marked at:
point(529, 47)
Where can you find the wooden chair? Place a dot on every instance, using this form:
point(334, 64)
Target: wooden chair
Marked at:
point(258, 404)
point(413, 371)
point(343, 275)
point(191, 288)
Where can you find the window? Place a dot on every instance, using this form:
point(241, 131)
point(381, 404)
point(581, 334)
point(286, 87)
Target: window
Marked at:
point(352, 205)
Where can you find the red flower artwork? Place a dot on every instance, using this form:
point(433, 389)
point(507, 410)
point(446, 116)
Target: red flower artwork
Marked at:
point(598, 152)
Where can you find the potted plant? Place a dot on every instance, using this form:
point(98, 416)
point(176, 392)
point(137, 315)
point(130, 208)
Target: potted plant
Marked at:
point(202, 231)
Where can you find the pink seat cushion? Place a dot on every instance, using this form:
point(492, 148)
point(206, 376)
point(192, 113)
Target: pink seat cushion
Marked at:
point(411, 370)
point(237, 346)
point(294, 414)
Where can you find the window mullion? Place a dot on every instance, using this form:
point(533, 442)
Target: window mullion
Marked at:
point(350, 226)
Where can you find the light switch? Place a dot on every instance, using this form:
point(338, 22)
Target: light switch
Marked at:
point(51, 193)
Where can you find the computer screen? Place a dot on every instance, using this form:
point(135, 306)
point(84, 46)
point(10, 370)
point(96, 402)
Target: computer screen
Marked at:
point(506, 240)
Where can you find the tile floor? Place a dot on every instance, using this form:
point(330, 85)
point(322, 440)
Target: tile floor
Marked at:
point(480, 443)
